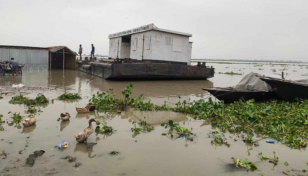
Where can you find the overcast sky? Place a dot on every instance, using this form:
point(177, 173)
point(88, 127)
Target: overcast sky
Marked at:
point(221, 29)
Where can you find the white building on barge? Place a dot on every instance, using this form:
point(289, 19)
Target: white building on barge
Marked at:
point(150, 43)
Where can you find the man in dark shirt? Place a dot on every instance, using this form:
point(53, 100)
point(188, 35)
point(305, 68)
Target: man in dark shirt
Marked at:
point(92, 52)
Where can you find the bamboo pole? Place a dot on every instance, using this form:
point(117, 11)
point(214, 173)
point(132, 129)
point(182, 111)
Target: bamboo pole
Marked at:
point(49, 60)
point(63, 59)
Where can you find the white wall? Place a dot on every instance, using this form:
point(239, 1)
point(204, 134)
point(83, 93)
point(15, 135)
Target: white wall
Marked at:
point(161, 46)
point(155, 45)
point(170, 47)
point(113, 47)
point(137, 46)
point(125, 50)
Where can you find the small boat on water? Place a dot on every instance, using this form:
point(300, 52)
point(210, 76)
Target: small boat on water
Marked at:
point(287, 89)
point(250, 87)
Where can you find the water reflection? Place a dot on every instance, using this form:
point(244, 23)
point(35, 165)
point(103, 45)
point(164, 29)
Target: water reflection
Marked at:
point(10, 80)
point(62, 78)
point(84, 115)
point(28, 129)
point(85, 148)
point(64, 124)
point(155, 117)
point(80, 82)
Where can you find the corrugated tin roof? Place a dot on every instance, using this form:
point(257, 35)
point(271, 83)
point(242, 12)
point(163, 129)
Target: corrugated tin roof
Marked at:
point(146, 28)
point(52, 49)
point(22, 47)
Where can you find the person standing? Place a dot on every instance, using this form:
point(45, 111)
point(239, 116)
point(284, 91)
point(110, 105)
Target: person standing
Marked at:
point(92, 51)
point(80, 51)
point(14, 67)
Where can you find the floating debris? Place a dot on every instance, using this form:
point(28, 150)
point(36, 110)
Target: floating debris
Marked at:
point(69, 158)
point(63, 144)
point(113, 153)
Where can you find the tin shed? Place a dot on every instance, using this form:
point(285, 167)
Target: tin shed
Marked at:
point(150, 43)
point(61, 57)
point(40, 58)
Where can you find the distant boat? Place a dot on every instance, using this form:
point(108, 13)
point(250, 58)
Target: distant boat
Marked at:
point(250, 87)
point(287, 89)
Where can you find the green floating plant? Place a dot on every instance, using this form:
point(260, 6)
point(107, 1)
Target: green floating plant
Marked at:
point(143, 127)
point(249, 166)
point(273, 160)
point(16, 119)
point(179, 131)
point(20, 99)
point(107, 130)
point(286, 122)
point(217, 139)
point(69, 96)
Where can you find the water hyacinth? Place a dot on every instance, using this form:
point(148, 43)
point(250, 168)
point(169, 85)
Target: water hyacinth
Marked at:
point(287, 122)
point(69, 96)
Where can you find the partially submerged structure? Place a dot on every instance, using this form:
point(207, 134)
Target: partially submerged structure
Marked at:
point(148, 52)
point(61, 57)
point(58, 57)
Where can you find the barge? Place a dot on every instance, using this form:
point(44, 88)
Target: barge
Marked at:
point(143, 70)
point(148, 52)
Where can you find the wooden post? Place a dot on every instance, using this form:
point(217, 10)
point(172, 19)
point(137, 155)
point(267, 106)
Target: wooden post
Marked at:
point(49, 60)
point(63, 59)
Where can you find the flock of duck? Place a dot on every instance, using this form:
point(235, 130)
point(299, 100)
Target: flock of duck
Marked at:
point(81, 136)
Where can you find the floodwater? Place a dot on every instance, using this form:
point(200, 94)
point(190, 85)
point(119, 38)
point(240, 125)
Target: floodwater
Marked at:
point(146, 154)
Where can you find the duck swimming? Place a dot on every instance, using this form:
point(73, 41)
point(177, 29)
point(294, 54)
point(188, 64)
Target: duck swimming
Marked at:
point(29, 121)
point(83, 136)
point(86, 109)
point(65, 116)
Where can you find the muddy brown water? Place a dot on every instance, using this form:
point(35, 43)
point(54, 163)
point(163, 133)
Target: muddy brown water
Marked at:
point(146, 154)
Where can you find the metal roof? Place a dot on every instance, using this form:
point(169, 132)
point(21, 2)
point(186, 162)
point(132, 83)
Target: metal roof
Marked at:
point(52, 49)
point(22, 47)
point(146, 28)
